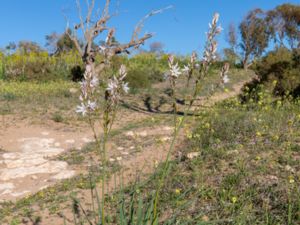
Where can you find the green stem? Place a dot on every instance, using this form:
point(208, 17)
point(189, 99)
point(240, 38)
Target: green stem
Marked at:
point(203, 73)
point(104, 164)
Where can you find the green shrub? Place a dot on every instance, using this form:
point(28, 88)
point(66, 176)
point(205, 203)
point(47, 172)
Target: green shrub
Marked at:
point(39, 66)
point(145, 69)
point(281, 66)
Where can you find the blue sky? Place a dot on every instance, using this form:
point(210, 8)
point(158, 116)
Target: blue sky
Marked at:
point(181, 29)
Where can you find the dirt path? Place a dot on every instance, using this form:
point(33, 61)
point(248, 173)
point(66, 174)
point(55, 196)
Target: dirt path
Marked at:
point(27, 152)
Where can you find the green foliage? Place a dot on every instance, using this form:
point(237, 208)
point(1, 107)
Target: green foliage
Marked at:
point(145, 69)
point(238, 171)
point(39, 66)
point(283, 23)
point(2, 71)
point(281, 68)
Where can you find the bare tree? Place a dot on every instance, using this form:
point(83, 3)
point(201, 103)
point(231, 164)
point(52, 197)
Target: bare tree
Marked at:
point(232, 36)
point(51, 41)
point(109, 48)
point(27, 47)
point(254, 36)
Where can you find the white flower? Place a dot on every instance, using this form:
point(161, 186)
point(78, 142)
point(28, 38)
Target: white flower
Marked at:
point(122, 72)
point(175, 70)
point(91, 105)
point(94, 82)
point(226, 79)
point(112, 85)
point(216, 18)
point(125, 87)
point(102, 48)
point(88, 68)
point(171, 59)
point(219, 30)
point(166, 75)
point(186, 69)
point(81, 109)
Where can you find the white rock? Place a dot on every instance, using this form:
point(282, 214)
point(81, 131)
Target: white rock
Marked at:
point(130, 134)
point(124, 153)
point(86, 140)
point(165, 138)
point(70, 141)
point(64, 175)
point(192, 155)
point(143, 134)
point(19, 172)
point(56, 144)
point(166, 128)
point(33, 177)
point(73, 90)
point(18, 194)
point(6, 186)
point(45, 133)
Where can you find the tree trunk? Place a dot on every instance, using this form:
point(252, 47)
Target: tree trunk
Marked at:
point(245, 63)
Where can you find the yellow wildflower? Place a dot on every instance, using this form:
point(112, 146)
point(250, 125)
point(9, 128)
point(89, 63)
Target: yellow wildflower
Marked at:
point(234, 199)
point(291, 180)
point(177, 191)
point(258, 134)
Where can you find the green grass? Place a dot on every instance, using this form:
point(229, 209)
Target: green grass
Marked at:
point(31, 89)
point(247, 171)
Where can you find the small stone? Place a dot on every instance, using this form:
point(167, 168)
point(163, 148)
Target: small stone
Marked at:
point(167, 128)
point(6, 186)
point(86, 140)
point(205, 218)
point(289, 169)
point(143, 134)
point(130, 134)
point(124, 153)
point(56, 144)
point(18, 194)
point(120, 148)
point(33, 177)
point(112, 160)
point(131, 148)
point(165, 138)
point(270, 180)
point(64, 175)
point(73, 90)
point(70, 141)
point(192, 155)
point(233, 152)
point(119, 158)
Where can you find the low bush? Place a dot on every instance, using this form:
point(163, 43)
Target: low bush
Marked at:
point(145, 69)
point(39, 66)
point(280, 67)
